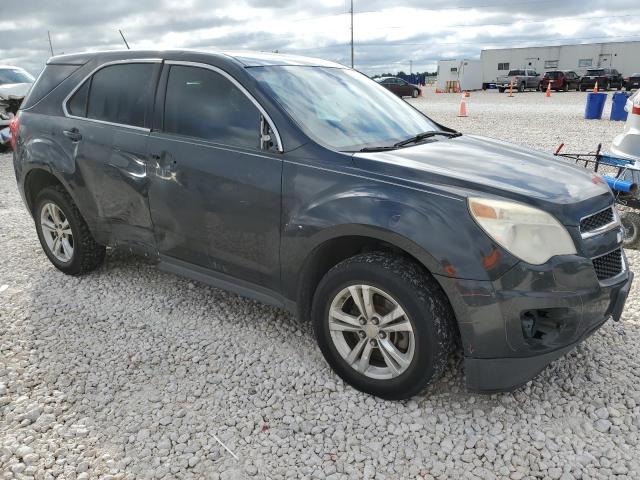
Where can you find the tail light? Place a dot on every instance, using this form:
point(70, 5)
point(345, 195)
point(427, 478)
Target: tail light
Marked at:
point(13, 129)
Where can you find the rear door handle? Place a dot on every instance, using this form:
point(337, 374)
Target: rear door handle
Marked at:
point(74, 134)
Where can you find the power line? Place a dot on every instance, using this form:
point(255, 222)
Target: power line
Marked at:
point(524, 22)
point(560, 39)
point(477, 42)
point(453, 7)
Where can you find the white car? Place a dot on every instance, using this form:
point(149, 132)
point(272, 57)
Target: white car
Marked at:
point(14, 86)
point(627, 144)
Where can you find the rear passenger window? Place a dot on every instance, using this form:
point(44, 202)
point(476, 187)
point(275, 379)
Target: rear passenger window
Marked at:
point(121, 94)
point(204, 104)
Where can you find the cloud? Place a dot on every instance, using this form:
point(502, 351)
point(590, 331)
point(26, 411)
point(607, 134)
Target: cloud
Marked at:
point(387, 35)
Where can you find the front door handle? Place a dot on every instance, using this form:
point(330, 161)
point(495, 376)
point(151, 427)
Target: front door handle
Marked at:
point(73, 134)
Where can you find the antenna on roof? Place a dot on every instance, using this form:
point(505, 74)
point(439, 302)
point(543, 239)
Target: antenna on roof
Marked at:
point(50, 44)
point(124, 39)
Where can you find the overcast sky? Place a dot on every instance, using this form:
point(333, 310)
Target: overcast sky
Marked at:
point(388, 34)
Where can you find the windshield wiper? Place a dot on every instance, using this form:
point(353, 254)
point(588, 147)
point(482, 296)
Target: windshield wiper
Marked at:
point(425, 135)
point(414, 139)
point(378, 149)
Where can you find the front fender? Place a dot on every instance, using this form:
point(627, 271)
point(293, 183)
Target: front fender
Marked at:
point(435, 228)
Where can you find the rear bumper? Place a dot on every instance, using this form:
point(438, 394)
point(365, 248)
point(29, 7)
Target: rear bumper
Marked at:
point(514, 327)
point(592, 83)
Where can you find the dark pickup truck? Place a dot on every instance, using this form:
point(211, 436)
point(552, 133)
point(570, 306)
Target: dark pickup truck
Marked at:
point(606, 77)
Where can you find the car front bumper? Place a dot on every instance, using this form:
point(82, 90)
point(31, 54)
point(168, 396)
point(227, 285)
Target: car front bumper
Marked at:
point(563, 300)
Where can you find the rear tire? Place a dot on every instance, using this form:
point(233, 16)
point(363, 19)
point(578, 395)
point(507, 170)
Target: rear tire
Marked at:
point(565, 88)
point(501, 90)
point(631, 230)
point(390, 283)
point(63, 233)
point(521, 87)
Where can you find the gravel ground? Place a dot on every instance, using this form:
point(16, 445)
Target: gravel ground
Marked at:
point(133, 373)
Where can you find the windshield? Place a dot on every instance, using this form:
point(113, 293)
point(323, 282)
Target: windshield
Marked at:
point(595, 72)
point(14, 75)
point(341, 108)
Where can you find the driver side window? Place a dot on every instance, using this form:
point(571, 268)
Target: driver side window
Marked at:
point(204, 104)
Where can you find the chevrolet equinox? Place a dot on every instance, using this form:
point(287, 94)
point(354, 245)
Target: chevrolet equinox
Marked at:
point(305, 184)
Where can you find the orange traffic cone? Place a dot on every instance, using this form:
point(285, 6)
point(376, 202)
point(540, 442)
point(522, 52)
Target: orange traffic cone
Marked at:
point(463, 107)
point(511, 88)
point(467, 94)
point(548, 94)
point(595, 87)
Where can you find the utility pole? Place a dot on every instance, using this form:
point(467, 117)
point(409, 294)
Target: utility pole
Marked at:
point(351, 11)
point(50, 44)
point(124, 39)
point(410, 67)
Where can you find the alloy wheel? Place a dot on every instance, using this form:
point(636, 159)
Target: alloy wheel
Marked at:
point(371, 331)
point(56, 231)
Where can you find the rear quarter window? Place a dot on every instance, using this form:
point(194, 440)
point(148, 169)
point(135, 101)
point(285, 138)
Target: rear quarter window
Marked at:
point(52, 76)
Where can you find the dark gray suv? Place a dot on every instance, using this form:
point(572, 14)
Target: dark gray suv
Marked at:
point(305, 184)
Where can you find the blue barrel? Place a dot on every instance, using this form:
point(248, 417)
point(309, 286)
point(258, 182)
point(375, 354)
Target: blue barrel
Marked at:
point(595, 106)
point(619, 100)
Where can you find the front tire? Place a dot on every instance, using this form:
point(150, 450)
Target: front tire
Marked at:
point(521, 87)
point(631, 230)
point(63, 233)
point(383, 324)
point(414, 93)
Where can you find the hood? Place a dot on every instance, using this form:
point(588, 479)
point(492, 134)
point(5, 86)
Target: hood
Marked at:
point(14, 91)
point(498, 168)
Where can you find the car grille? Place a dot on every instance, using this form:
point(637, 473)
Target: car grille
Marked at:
point(608, 265)
point(597, 220)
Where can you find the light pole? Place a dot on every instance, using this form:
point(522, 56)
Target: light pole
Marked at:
point(351, 11)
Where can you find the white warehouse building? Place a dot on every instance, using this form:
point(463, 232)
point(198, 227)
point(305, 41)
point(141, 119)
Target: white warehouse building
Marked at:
point(465, 72)
point(623, 56)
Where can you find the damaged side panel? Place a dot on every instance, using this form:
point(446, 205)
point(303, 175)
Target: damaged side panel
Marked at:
point(111, 163)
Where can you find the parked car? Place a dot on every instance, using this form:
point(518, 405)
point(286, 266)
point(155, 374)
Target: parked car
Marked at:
point(521, 80)
point(303, 183)
point(633, 82)
point(564, 80)
point(606, 77)
point(14, 85)
point(400, 87)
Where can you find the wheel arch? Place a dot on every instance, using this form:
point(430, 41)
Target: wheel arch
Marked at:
point(36, 180)
point(334, 247)
point(40, 177)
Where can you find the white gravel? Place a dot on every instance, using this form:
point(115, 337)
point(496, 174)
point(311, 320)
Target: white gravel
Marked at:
point(133, 373)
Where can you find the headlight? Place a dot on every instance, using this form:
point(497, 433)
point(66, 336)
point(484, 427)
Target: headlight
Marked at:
point(528, 233)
